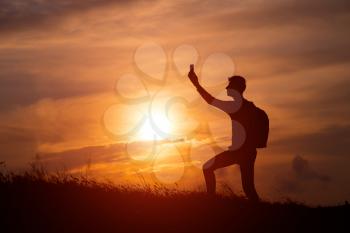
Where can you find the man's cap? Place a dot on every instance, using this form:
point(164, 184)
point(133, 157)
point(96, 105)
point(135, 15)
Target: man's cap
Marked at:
point(237, 82)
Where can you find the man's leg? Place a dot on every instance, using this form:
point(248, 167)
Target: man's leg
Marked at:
point(247, 175)
point(223, 159)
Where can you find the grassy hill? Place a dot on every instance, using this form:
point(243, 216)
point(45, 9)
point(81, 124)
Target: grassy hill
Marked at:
point(38, 202)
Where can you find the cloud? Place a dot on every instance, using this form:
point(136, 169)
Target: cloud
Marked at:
point(308, 111)
point(328, 97)
point(302, 178)
point(34, 14)
point(320, 93)
point(77, 158)
point(30, 74)
point(329, 141)
point(50, 125)
point(17, 145)
point(14, 134)
point(302, 169)
point(258, 14)
point(23, 88)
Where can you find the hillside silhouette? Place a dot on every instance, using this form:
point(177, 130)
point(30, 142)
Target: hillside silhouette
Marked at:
point(36, 201)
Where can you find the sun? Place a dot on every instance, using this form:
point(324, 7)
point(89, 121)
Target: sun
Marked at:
point(155, 127)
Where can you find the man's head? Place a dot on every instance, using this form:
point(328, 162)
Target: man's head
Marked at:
point(236, 84)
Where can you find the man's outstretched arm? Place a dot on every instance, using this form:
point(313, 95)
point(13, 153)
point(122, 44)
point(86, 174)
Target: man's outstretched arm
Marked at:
point(225, 106)
point(205, 95)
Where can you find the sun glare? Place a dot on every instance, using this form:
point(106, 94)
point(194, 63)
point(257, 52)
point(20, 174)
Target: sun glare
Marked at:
point(159, 128)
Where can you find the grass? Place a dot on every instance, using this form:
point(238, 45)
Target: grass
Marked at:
point(37, 201)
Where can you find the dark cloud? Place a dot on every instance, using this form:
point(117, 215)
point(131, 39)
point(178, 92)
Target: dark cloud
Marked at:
point(302, 170)
point(307, 33)
point(19, 89)
point(331, 141)
point(273, 38)
point(32, 14)
point(325, 104)
point(279, 57)
point(301, 177)
point(28, 75)
point(254, 14)
point(16, 90)
point(16, 145)
point(77, 158)
point(10, 134)
point(323, 100)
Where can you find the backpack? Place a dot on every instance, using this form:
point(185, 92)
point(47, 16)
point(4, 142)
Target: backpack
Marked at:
point(261, 128)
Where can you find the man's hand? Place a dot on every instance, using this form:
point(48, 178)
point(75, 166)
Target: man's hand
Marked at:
point(193, 77)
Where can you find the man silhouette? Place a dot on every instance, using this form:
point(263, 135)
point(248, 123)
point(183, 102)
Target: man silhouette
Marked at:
point(242, 111)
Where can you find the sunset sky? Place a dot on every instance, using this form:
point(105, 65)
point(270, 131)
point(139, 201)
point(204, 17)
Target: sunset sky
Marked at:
point(81, 80)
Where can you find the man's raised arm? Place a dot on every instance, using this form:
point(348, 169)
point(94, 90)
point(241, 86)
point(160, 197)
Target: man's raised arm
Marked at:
point(205, 95)
point(225, 106)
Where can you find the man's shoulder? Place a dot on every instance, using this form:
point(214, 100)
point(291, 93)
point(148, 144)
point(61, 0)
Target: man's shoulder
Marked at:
point(248, 104)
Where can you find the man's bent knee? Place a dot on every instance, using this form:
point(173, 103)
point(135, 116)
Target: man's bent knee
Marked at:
point(207, 167)
point(206, 170)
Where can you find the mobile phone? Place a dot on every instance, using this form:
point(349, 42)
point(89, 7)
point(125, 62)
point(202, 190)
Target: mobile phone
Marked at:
point(192, 68)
